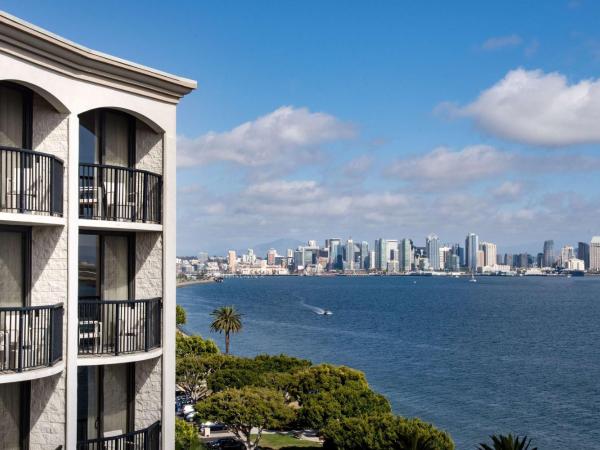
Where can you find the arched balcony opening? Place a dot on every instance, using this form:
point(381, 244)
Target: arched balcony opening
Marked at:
point(33, 144)
point(120, 167)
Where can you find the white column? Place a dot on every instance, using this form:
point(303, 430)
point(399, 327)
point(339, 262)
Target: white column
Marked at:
point(72, 280)
point(169, 288)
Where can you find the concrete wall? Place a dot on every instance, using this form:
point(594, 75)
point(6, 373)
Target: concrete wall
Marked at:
point(148, 265)
point(148, 392)
point(149, 149)
point(47, 413)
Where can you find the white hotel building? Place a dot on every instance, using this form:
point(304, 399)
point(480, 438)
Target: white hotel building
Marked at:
point(87, 246)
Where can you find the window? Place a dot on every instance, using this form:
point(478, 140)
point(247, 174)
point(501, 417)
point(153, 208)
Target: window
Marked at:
point(14, 415)
point(15, 116)
point(105, 401)
point(107, 137)
point(14, 266)
point(106, 266)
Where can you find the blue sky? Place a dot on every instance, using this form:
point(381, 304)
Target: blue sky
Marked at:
point(367, 119)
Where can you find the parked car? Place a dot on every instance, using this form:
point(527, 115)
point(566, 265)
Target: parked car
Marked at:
point(214, 427)
point(226, 444)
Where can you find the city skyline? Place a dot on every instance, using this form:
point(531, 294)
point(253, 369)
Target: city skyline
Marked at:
point(421, 122)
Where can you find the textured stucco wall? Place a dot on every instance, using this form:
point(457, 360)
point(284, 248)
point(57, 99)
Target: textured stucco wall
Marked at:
point(47, 413)
point(148, 255)
point(148, 388)
point(149, 149)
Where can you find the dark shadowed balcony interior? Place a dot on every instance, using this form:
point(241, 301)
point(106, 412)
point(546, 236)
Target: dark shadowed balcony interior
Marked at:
point(30, 181)
point(115, 327)
point(30, 337)
point(110, 185)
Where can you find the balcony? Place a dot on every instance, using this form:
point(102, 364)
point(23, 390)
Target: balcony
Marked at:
point(30, 337)
point(146, 439)
point(30, 182)
point(115, 327)
point(119, 194)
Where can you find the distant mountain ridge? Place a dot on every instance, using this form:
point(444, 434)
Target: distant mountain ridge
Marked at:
point(281, 245)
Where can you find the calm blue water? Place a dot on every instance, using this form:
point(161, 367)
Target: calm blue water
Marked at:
point(501, 355)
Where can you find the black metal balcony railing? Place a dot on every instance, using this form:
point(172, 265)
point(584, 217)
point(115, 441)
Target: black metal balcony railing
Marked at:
point(147, 439)
point(118, 326)
point(30, 182)
point(119, 193)
point(30, 337)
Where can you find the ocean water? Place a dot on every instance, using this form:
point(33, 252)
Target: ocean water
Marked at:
point(502, 355)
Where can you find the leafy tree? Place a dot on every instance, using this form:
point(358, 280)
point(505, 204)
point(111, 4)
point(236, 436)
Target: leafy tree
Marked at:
point(384, 432)
point(280, 363)
point(226, 320)
point(326, 378)
point(186, 436)
point(234, 378)
point(192, 373)
point(194, 346)
point(245, 409)
point(509, 442)
point(180, 315)
point(347, 401)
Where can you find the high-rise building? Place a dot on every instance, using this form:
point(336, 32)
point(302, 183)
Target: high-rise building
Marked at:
point(381, 255)
point(406, 257)
point(335, 251)
point(595, 254)
point(371, 265)
point(364, 255)
point(445, 254)
point(566, 253)
point(87, 245)
point(583, 253)
point(231, 261)
point(549, 258)
point(393, 264)
point(202, 257)
point(432, 245)
point(489, 253)
point(271, 255)
point(471, 249)
point(480, 259)
point(349, 259)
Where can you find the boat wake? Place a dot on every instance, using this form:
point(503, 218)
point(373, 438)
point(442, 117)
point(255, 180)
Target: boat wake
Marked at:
point(317, 310)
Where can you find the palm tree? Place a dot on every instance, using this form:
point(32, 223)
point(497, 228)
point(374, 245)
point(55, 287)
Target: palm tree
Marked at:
point(227, 320)
point(509, 442)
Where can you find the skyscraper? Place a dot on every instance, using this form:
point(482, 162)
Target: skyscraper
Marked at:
point(583, 253)
point(548, 253)
point(334, 250)
point(349, 262)
point(405, 255)
point(471, 248)
point(364, 255)
point(393, 264)
point(489, 253)
point(381, 254)
point(432, 245)
point(595, 254)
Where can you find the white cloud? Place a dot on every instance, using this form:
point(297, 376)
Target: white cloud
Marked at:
point(538, 108)
point(287, 135)
point(358, 166)
point(499, 42)
point(445, 167)
point(509, 190)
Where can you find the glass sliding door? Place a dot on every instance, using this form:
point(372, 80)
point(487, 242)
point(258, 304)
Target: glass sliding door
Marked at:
point(10, 416)
point(11, 117)
point(105, 282)
point(12, 268)
point(105, 397)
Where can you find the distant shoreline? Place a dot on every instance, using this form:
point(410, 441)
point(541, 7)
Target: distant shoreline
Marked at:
point(191, 283)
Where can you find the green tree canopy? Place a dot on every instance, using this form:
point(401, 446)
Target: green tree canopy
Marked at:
point(180, 315)
point(384, 432)
point(192, 373)
point(194, 346)
point(245, 409)
point(326, 378)
point(317, 410)
point(186, 436)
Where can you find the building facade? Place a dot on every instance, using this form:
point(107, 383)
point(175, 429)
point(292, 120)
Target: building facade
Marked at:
point(595, 254)
point(87, 246)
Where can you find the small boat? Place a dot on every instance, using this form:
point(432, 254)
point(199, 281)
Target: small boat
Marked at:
point(327, 313)
point(473, 279)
